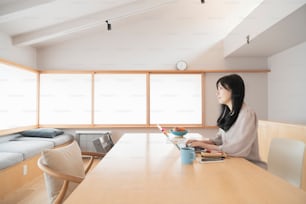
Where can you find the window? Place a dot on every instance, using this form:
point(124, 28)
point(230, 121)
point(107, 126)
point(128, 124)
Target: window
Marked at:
point(175, 99)
point(18, 104)
point(120, 99)
point(65, 99)
point(109, 99)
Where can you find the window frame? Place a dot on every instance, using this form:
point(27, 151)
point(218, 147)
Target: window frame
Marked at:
point(93, 72)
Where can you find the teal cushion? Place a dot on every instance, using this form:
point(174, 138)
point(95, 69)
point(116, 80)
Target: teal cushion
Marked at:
point(42, 132)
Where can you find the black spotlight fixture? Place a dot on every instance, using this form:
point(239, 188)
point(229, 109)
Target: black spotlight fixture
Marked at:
point(202, 1)
point(109, 26)
point(248, 39)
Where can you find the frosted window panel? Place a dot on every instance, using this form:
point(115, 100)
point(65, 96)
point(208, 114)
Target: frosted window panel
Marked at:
point(175, 99)
point(65, 98)
point(18, 104)
point(120, 99)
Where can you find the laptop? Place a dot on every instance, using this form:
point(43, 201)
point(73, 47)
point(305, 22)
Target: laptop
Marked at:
point(179, 144)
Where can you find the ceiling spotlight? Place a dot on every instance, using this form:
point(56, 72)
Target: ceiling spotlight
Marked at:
point(248, 39)
point(109, 26)
point(202, 1)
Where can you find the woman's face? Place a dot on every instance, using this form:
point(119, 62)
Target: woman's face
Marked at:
point(224, 96)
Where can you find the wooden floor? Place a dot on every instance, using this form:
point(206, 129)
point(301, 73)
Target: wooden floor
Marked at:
point(32, 193)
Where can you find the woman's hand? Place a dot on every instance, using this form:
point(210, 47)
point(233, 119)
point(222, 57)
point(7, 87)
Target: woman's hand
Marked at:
point(208, 145)
point(196, 143)
point(188, 143)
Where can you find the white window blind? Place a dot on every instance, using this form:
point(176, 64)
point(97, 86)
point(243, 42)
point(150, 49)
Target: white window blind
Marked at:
point(18, 104)
point(65, 98)
point(175, 99)
point(120, 99)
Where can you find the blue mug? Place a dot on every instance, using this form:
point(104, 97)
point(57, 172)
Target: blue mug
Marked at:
point(187, 155)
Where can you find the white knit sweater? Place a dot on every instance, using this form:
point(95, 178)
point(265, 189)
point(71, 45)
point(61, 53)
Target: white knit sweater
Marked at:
point(241, 139)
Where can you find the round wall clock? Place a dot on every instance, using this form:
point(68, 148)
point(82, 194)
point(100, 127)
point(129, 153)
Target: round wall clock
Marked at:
point(181, 65)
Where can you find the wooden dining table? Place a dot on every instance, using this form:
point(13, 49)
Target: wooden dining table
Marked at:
point(146, 168)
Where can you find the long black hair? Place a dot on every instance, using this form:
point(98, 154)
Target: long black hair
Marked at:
point(235, 84)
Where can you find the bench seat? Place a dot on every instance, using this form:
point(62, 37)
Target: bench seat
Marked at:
point(16, 148)
point(8, 159)
point(18, 158)
point(57, 141)
point(26, 148)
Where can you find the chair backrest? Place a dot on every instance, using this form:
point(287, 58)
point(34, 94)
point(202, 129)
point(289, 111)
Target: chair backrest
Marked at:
point(63, 169)
point(285, 159)
point(104, 143)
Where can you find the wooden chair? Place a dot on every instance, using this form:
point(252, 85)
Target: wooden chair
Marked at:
point(64, 169)
point(285, 159)
point(104, 143)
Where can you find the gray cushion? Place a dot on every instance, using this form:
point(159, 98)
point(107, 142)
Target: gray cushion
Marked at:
point(7, 138)
point(58, 140)
point(27, 148)
point(8, 159)
point(42, 132)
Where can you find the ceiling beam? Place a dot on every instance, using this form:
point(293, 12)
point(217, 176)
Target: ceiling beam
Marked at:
point(85, 23)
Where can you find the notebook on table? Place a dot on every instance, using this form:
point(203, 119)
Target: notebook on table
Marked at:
point(211, 157)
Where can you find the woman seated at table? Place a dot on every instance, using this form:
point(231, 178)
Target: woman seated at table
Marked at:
point(237, 135)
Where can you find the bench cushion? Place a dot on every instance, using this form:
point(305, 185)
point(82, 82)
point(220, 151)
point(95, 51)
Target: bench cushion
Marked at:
point(27, 148)
point(7, 138)
point(8, 159)
point(59, 140)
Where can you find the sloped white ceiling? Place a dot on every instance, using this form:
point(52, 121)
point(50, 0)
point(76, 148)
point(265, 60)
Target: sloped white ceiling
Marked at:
point(39, 23)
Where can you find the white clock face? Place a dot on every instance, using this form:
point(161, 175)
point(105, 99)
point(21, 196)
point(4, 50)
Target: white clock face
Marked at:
point(181, 65)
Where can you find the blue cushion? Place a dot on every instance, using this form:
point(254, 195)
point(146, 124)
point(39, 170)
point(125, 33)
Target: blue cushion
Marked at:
point(42, 132)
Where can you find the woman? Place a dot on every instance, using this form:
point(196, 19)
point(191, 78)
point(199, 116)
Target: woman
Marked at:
point(237, 135)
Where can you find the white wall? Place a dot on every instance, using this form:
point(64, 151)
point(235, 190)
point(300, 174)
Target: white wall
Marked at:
point(24, 56)
point(96, 51)
point(286, 86)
